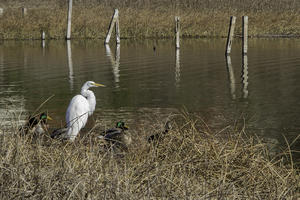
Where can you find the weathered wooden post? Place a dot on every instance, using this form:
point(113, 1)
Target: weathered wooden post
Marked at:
point(69, 20)
point(245, 76)
point(117, 31)
point(1, 11)
point(245, 34)
point(114, 21)
point(230, 34)
point(107, 50)
point(24, 12)
point(230, 76)
point(43, 35)
point(70, 64)
point(177, 31)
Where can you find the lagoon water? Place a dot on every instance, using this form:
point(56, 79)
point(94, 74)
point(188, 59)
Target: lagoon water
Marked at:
point(146, 84)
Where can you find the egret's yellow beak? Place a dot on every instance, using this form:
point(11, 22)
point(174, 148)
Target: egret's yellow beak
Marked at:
point(98, 84)
point(49, 117)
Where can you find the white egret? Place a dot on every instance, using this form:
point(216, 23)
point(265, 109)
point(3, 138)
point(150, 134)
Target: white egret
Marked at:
point(36, 124)
point(80, 107)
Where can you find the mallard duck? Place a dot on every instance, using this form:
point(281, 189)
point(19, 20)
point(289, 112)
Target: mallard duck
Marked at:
point(160, 135)
point(117, 135)
point(60, 133)
point(36, 124)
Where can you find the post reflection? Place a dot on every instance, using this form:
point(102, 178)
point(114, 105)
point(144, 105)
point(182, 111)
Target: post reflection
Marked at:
point(1, 66)
point(115, 63)
point(177, 68)
point(231, 77)
point(245, 76)
point(70, 64)
point(43, 44)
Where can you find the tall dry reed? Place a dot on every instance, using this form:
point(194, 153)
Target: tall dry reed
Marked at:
point(190, 162)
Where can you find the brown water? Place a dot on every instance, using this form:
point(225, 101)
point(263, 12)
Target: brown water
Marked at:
point(262, 89)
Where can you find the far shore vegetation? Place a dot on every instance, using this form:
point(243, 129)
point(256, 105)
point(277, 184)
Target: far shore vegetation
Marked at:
point(148, 18)
point(193, 161)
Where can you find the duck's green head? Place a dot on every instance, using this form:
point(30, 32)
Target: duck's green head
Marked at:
point(121, 125)
point(44, 117)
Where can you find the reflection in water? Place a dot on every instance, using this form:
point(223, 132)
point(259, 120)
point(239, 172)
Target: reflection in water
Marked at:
point(115, 62)
point(177, 68)
point(70, 64)
point(12, 102)
point(1, 66)
point(43, 44)
point(43, 47)
point(231, 77)
point(25, 58)
point(245, 76)
point(151, 77)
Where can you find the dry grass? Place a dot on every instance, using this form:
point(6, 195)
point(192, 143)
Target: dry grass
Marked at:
point(149, 18)
point(191, 162)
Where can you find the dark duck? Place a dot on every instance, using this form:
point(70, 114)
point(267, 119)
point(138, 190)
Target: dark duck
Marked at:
point(117, 135)
point(36, 124)
point(158, 136)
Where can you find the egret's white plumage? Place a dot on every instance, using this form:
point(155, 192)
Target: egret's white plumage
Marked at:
point(80, 107)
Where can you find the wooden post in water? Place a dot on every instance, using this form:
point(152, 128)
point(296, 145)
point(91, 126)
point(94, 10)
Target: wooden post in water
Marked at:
point(24, 12)
point(114, 21)
point(69, 20)
point(43, 35)
point(245, 34)
point(70, 64)
point(177, 31)
point(1, 11)
point(117, 31)
point(230, 34)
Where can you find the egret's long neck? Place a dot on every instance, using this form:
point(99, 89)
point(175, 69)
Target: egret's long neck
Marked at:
point(89, 95)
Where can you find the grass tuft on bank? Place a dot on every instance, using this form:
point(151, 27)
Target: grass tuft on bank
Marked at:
point(192, 161)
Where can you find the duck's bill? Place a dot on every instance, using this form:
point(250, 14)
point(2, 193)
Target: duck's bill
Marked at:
point(126, 127)
point(99, 85)
point(49, 118)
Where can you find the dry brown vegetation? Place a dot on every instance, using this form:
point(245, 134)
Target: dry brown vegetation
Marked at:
point(190, 162)
point(149, 18)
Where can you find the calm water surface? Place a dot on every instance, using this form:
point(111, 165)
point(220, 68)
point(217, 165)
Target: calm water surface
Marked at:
point(262, 88)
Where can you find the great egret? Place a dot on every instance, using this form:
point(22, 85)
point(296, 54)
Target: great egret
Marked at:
point(36, 124)
point(117, 135)
point(80, 107)
point(159, 136)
